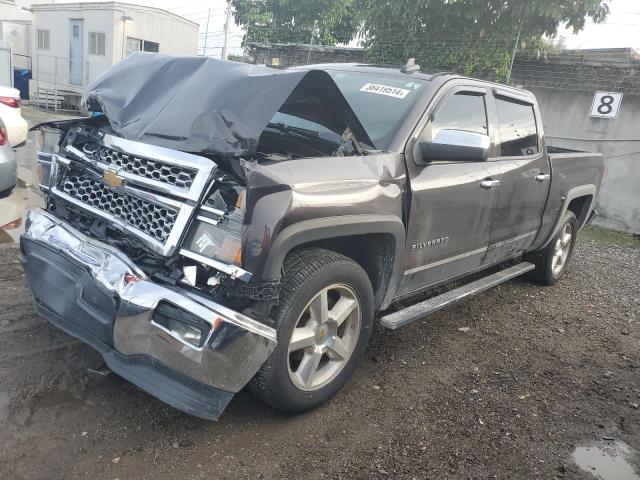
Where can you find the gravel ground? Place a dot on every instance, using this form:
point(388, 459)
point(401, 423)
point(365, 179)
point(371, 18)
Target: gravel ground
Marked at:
point(539, 372)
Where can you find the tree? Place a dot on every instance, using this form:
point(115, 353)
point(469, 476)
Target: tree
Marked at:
point(474, 37)
point(319, 22)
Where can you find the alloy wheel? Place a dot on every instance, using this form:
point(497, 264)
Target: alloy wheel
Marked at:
point(324, 337)
point(562, 249)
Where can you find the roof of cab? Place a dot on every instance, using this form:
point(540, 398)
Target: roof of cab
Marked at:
point(390, 70)
point(396, 71)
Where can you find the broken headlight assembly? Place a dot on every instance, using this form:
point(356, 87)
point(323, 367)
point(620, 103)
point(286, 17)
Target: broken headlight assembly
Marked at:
point(47, 142)
point(215, 236)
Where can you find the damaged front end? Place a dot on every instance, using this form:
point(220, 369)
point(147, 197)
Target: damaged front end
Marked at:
point(143, 247)
point(139, 253)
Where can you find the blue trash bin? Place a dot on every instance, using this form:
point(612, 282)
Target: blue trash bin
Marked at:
point(21, 77)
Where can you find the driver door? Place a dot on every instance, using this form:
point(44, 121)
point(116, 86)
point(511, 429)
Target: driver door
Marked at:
point(452, 201)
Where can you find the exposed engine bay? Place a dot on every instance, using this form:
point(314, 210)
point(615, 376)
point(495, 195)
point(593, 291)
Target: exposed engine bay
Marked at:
point(165, 216)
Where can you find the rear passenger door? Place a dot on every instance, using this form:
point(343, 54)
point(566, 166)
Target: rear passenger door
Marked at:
point(525, 175)
point(452, 201)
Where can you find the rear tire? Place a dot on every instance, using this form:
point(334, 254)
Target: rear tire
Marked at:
point(552, 261)
point(323, 323)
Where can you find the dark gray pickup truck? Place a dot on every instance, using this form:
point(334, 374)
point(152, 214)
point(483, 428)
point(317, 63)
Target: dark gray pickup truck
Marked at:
point(216, 224)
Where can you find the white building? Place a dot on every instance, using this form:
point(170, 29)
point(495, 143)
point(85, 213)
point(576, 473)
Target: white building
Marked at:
point(74, 43)
point(15, 32)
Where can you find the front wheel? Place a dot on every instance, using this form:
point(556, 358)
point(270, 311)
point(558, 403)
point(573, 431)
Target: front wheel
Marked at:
point(551, 262)
point(323, 324)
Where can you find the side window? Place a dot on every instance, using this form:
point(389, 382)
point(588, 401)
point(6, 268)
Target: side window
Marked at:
point(518, 131)
point(462, 111)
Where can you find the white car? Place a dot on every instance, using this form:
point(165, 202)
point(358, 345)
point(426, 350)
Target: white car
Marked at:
point(8, 169)
point(11, 115)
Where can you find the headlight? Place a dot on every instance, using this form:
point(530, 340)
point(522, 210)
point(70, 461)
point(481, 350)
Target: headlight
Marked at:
point(47, 140)
point(217, 229)
point(214, 241)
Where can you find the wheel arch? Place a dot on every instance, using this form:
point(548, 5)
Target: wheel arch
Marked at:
point(376, 242)
point(579, 200)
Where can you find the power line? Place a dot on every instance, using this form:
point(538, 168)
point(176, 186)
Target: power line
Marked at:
point(204, 3)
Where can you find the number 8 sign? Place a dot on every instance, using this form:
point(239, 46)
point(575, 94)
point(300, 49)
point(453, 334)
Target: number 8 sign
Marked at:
point(606, 104)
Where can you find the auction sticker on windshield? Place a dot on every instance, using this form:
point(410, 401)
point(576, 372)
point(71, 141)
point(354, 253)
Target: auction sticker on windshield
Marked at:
point(384, 90)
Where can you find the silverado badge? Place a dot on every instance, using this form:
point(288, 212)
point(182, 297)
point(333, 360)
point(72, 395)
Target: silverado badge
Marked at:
point(111, 178)
point(430, 243)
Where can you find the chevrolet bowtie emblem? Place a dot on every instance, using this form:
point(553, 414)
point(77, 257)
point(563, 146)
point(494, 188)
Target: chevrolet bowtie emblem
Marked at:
point(112, 179)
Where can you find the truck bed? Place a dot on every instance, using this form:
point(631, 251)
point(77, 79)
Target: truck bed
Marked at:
point(573, 174)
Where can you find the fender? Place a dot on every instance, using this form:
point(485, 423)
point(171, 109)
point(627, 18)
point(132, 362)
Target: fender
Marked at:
point(573, 193)
point(334, 227)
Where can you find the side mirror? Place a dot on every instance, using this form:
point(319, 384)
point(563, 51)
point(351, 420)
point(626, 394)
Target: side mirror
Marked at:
point(450, 144)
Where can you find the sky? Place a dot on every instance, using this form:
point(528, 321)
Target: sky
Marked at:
point(198, 11)
point(621, 29)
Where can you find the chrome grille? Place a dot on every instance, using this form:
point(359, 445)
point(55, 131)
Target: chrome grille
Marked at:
point(175, 175)
point(157, 190)
point(157, 221)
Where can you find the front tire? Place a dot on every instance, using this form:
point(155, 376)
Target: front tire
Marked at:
point(323, 322)
point(552, 261)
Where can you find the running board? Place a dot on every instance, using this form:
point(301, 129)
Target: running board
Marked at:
point(420, 310)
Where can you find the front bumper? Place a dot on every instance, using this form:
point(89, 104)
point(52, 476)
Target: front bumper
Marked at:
point(94, 292)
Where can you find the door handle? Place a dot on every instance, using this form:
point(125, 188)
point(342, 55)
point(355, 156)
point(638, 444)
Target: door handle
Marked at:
point(542, 177)
point(489, 184)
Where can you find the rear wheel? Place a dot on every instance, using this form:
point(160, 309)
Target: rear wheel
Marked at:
point(323, 324)
point(551, 262)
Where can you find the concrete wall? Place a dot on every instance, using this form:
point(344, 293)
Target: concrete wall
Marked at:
point(567, 123)
point(282, 55)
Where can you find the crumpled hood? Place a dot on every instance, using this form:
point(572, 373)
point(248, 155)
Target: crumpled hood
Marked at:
point(205, 105)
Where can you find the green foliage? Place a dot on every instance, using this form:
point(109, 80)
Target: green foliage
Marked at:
point(473, 37)
point(238, 58)
point(320, 22)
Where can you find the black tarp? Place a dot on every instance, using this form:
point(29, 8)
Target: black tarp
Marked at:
point(201, 104)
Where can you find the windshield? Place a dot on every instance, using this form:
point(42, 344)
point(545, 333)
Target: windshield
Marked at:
point(380, 102)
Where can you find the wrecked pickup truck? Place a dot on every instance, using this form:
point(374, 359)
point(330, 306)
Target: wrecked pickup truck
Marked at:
point(216, 224)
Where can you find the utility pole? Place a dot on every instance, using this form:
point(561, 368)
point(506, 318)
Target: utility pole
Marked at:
point(206, 34)
point(517, 44)
point(225, 47)
point(515, 51)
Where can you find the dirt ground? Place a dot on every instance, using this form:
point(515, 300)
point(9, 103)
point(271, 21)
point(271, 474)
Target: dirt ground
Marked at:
point(539, 372)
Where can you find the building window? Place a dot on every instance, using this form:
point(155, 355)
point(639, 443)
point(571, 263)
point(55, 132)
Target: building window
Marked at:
point(133, 45)
point(137, 45)
point(44, 40)
point(97, 42)
point(150, 46)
